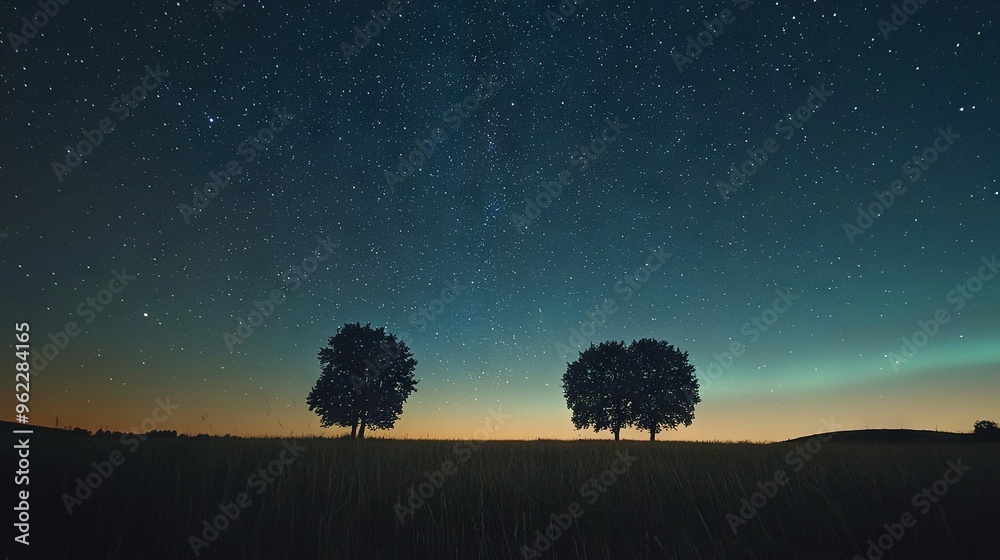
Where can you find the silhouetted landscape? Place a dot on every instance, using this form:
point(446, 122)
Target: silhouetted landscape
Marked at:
point(341, 498)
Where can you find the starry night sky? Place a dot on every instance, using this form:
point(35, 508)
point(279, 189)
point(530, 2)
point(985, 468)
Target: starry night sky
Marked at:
point(521, 291)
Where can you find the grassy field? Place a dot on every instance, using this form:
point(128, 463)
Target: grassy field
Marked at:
point(337, 499)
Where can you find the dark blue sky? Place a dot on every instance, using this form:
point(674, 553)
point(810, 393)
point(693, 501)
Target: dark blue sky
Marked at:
point(516, 294)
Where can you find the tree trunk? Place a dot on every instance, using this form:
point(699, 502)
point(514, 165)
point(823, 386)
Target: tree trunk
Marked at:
point(361, 432)
point(617, 433)
point(354, 429)
point(652, 435)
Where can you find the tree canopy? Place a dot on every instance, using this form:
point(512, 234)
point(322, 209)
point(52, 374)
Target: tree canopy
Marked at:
point(596, 388)
point(986, 430)
point(366, 376)
point(649, 385)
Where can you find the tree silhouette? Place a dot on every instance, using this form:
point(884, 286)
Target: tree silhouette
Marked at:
point(986, 430)
point(366, 376)
point(649, 385)
point(666, 388)
point(597, 388)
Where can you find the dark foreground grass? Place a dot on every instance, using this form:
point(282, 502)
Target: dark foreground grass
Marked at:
point(337, 499)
